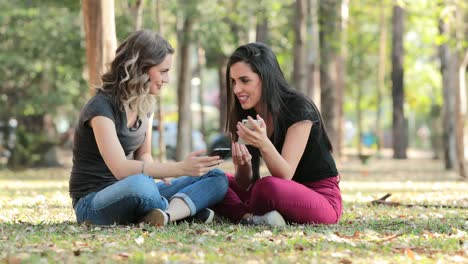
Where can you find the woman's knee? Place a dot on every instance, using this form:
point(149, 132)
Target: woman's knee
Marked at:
point(221, 178)
point(141, 186)
point(266, 188)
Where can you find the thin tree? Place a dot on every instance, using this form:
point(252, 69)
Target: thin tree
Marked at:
point(454, 59)
point(381, 74)
point(447, 69)
point(184, 126)
point(101, 40)
point(201, 89)
point(399, 126)
point(261, 29)
point(159, 109)
point(340, 75)
point(313, 54)
point(136, 9)
point(330, 45)
point(300, 30)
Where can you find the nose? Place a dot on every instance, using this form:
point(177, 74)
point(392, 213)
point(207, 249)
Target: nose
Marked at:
point(236, 89)
point(165, 78)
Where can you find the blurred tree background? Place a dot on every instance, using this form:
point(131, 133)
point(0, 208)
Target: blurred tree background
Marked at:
point(387, 74)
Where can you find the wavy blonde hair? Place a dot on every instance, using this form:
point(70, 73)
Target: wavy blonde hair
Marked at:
point(127, 81)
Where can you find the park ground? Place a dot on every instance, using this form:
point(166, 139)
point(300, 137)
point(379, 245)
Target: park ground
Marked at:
point(37, 223)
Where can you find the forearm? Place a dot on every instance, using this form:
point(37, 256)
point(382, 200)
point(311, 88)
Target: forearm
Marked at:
point(276, 164)
point(160, 170)
point(148, 167)
point(244, 175)
point(146, 157)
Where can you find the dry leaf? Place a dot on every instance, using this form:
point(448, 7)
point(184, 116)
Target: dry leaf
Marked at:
point(409, 253)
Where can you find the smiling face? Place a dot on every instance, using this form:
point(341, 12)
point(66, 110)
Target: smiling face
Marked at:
point(159, 74)
point(246, 85)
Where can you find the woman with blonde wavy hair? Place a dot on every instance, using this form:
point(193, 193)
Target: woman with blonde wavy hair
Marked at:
point(112, 178)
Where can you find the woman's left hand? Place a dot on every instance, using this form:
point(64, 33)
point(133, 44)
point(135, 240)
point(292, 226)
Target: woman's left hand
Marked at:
point(257, 135)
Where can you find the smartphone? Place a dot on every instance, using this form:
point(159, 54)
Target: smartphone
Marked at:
point(247, 124)
point(221, 152)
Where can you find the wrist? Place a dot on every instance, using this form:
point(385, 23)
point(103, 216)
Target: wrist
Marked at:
point(265, 146)
point(179, 168)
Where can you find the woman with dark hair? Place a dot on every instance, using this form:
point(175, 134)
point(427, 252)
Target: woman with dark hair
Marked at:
point(290, 136)
point(112, 179)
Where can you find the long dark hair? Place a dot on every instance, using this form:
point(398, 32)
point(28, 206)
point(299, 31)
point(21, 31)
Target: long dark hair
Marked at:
point(275, 90)
point(127, 80)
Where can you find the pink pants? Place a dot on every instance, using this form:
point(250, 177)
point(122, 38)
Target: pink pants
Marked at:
point(304, 203)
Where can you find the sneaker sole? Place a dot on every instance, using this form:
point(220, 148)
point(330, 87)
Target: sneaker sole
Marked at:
point(210, 218)
point(275, 219)
point(155, 217)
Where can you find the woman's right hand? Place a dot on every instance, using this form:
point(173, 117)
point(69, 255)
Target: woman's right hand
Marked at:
point(196, 165)
point(240, 154)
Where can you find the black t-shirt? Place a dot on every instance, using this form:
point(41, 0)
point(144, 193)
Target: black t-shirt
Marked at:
point(317, 162)
point(89, 172)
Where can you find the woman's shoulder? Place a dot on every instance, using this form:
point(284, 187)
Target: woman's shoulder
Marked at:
point(298, 107)
point(298, 102)
point(100, 100)
point(99, 105)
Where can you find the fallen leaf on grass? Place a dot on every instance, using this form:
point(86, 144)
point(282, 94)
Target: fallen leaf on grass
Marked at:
point(123, 254)
point(388, 238)
point(345, 261)
point(409, 253)
point(299, 247)
point(17, 259)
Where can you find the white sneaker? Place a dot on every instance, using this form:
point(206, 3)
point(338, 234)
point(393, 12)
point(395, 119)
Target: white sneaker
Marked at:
point(272, 218)
point(156, 217)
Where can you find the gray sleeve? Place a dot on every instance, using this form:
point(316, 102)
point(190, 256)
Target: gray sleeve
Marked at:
point(97, 106)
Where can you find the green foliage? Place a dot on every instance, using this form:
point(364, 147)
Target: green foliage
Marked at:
point(42, 58)
point(30, 149)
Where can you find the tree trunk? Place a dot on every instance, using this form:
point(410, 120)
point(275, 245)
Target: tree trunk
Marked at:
point(101, 41)
point(222, 92)
point(447, 68)
point(330, 35)
point(159, 108)
point(461, 29)
point(136, 9)
point(299, 69)
point(340, 76)
point(461, 121)
point(313, 82)
point(201, 88)
point(262, 28)
point(184, 126)
point(381, 75)
point(399, 126)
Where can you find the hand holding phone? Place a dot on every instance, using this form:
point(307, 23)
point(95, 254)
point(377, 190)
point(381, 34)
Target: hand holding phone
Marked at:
point(221, 152)
point(249, 126)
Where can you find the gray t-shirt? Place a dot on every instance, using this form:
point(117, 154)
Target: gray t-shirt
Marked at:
point(89, 172)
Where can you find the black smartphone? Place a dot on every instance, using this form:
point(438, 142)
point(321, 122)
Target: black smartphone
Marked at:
point(221, 152)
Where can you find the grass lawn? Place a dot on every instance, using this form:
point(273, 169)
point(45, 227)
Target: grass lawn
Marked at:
point(37, 224)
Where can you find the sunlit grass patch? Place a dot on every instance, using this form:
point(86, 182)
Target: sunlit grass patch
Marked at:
point(37, 225)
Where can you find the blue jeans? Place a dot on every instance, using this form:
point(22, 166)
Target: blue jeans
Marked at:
point(131, 198)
